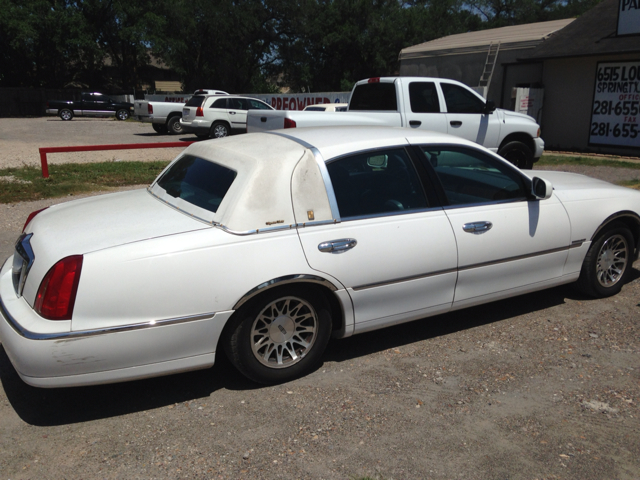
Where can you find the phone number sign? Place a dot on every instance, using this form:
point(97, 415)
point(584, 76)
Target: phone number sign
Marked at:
point(615, 113)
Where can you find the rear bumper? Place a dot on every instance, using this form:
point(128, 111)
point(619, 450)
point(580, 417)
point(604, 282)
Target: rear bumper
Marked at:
point(197, 127)
point(49, 354)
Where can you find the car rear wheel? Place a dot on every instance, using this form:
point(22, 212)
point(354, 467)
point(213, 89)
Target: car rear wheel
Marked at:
point(174, 126)
point(608, 262)
point(122, 114)
point(65, 114)
point(219, 130)
point(280, 336)
point(159, 128)
point(518, 154)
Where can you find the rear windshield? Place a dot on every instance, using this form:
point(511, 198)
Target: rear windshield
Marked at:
point(374, 96)
point(195, 101)
point(197, 181)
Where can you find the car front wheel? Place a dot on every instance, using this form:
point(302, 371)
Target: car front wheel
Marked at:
point(122, 114)
point(281, 336)
point(608, 262)
point(518, 154)
point(219, 130)
point(65, 114)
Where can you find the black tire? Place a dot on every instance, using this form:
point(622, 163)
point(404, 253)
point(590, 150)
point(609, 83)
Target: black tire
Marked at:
point(174, 126)
point(65, 114)
point(518, 154)
point(219, 130)
point(608, 262)
point(122, 114)
point(160, 128)
point(280, 336)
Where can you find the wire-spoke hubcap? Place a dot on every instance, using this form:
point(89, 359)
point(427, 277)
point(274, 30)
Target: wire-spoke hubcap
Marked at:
point(284, 332)
point(612, 260)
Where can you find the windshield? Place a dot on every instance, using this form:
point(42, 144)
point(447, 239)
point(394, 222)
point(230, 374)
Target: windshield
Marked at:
point(197, 181)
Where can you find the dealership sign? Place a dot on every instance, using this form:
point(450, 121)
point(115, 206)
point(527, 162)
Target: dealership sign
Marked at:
point(629, 17)
point(615, 112)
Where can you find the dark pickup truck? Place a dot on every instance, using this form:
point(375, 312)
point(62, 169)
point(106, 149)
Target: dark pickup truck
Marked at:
point(90, 105)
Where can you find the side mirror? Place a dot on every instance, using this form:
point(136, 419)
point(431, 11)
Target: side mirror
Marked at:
point(489, 107)
point(541, 188)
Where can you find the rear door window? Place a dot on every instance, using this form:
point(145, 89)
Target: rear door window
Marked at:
point(424, 97)
point(377, 182)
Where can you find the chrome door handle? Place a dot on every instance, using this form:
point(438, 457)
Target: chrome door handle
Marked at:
point(232, 113)
point(338, 246)
point(477, 227)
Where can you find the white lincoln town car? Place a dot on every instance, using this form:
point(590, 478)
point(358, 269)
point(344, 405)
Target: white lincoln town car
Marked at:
point(265, 245)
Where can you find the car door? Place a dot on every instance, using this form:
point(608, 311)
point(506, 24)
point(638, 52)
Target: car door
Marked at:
point(424, 110)
point(391, 248)
point(237, 113)
point(465, 116)
point(93, 104)
point(506, 241)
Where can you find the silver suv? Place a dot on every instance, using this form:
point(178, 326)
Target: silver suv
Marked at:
point(215, 116)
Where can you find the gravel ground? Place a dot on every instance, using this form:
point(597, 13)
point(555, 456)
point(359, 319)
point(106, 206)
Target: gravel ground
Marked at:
point(542, 386)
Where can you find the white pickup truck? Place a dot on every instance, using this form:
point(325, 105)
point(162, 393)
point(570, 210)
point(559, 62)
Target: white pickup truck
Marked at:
point(421, 102)
point(165, 116)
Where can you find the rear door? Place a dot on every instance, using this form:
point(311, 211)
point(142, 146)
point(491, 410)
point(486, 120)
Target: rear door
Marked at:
point(236, 113)
point(423, 110)
point(392, 248)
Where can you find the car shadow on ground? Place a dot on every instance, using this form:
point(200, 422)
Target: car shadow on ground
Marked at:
point(48, 407)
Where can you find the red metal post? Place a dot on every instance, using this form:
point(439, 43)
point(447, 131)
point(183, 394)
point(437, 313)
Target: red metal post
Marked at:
point(93, 148)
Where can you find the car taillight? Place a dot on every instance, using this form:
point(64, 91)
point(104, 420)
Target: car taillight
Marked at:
point(288, 123)
point(30, 217)
point(149, 108)
point(199, 112)
point(57, 293)
point(374, 80)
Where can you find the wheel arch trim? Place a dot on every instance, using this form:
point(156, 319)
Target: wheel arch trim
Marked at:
point(281, 281)
point(629, 216)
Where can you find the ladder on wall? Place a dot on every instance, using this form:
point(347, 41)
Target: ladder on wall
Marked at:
point(489, 66)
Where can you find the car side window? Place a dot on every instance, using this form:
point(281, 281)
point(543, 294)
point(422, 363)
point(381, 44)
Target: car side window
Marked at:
point(424, 97)
point(256, 105)
point(220, 103)
point(472, 177)
point(236, 104)
point(376, 182)
point(461, 100)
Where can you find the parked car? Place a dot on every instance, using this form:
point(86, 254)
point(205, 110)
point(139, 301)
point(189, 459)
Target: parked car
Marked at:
point(436, 104)
point(165, 116)
point(263, 246)
point(217, 117)
point(327, 107)
point(90, 105)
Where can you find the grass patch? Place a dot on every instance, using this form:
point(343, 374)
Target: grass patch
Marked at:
point(553, 160)
point(26, 183)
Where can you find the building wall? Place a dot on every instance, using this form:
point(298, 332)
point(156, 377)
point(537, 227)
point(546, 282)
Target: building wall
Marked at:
point(466, 68)
point(519, 75)
point(568, 98)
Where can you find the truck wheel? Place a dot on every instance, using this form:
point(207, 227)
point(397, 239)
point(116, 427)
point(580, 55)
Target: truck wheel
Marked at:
point(65, 114)
point(174, 126)
point(518, 154)
point(219, 130)
point(122, 114)
point(159, 128)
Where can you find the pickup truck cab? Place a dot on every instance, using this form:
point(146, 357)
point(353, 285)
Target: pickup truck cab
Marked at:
point(436, 104)
point(90, 105)
point(216, 117)
point(165, 116)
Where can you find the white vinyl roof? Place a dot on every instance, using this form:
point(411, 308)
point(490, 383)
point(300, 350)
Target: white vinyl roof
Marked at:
point(518, 36)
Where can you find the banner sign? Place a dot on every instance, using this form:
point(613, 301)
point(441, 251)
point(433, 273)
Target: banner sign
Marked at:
point(297, 101)
point(279, 101)
point(629, 17)
point(615, 112)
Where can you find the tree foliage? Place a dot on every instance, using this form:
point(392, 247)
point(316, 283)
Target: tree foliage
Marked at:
point(236, 45)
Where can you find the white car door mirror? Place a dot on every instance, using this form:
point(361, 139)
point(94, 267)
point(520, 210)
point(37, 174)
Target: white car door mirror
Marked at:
point(541, 188)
